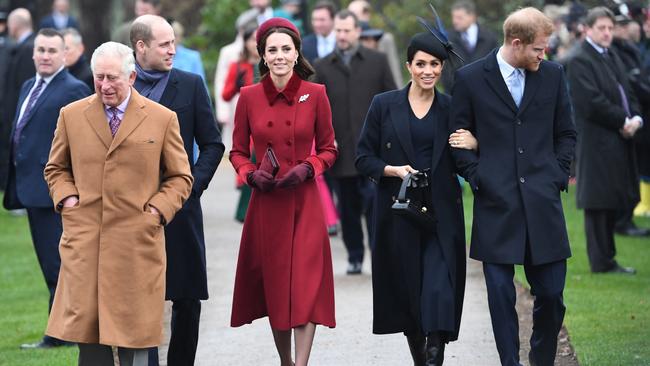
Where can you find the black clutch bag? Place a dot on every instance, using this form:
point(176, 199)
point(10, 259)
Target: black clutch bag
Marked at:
point(411, 209)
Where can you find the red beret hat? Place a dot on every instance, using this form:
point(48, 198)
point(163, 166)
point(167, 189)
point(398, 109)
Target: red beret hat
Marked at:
point(275, 23)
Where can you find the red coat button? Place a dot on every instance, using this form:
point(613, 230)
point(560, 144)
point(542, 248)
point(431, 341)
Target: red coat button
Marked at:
point(288, 123)
point(269, 123)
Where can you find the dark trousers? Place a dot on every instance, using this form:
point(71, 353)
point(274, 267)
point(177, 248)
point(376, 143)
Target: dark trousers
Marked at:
point(546, 284)
point(599, 230)
point(46, 228)
point(102, 355)
point(184, 339)
point(354, 200)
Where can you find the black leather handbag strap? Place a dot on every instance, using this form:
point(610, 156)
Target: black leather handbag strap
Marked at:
point(401, 196)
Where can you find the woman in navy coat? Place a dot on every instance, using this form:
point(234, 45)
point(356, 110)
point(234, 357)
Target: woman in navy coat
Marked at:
point(284, 270)
point(418, 274)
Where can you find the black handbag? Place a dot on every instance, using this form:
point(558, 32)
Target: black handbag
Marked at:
point(414, 210)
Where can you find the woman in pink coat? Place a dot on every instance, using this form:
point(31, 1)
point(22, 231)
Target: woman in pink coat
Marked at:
point(284, 269)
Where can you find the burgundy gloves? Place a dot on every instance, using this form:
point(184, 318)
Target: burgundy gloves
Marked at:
point(261, 180)
point(296, 175)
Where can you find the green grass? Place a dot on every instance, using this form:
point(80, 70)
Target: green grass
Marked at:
point(24, 299)
point(608, 315)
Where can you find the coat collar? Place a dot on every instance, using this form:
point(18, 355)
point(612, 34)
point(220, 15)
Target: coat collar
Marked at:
point(399, 113)
point(133, 116)
point(498, 85)
point(49, 89)
point(289, 93)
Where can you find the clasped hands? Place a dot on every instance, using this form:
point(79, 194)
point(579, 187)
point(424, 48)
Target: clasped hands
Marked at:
point(265, 182)
point(631, 126)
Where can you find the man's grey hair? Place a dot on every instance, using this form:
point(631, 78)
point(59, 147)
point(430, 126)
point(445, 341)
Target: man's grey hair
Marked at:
point(118, 50)
point(76, 36)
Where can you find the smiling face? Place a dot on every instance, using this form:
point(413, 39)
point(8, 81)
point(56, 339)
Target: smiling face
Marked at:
point(111, 84)
point(280, 54)
point(49, 55)
point(425, 70)
point(159, 53)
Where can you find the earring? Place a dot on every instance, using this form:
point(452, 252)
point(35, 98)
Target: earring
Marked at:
point(265, 64)
point(295, 62)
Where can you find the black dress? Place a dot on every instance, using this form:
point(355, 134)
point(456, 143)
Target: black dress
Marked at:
point(437, 295)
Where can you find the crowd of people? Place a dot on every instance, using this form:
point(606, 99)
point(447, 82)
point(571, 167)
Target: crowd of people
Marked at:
point(109, 159)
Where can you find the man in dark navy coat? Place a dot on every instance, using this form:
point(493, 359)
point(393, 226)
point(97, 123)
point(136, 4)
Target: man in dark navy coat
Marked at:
point(31, 136)
point(517, 105)
point(184, 93)
point(322, 42)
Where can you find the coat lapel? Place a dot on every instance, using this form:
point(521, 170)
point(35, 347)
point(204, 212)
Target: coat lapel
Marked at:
point(170, 91)
point(442, 131)
point(399, 115)
point(97, 119)
point(46, 93)
point(496, 82)
point(533, 81)
point(133, 116)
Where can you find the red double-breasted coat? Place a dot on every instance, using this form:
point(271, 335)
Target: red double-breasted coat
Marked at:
point(284, 270)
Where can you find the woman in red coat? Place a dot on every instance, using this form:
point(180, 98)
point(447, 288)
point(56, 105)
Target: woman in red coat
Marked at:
point(284, 269)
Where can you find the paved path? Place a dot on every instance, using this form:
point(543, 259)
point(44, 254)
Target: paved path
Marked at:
point(351, 342)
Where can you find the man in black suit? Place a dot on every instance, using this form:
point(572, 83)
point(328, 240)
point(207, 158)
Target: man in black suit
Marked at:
point(607, 114)
point(60, 17)
point(518, 107)
point(75, 60)
point(19, 68)
point(353, 75)
point(153, 40)
point(322, 42)
point(32, 131)
point(471, 40)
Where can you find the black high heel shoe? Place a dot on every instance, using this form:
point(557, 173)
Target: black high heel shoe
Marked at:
point(417, 346)
point(435, 351)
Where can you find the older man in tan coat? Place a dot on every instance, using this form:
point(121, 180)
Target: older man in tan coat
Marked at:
point(117, 172)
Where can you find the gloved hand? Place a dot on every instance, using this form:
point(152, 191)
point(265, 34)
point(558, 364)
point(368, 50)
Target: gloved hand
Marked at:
point(261, 180)
point(296, 175)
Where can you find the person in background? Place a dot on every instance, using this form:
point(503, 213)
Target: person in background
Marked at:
point(353, 75)
point(260, 11)
point(225, 111)
point(322, 42)
point(41, 98)
point(607, 114)
point(363, 10)
point(60, 17)
point(291, 10)
point(242, 73)
point(75, 60)
point(370, 37)
point(471, 40)
point(284, 270)
point(18, 69)
point(186, 59)
point(418, 273)
point(121, 34)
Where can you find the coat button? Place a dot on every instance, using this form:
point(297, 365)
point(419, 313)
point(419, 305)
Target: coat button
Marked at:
point(521, 150)
point(459, 201)
point(269, 123)
point(288, 123)
point(388, 145)
point(288, 142)
point(522, 180)
point(289, 162)
point(518, 122)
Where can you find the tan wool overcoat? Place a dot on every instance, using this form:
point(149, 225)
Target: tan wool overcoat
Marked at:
point(111, 287)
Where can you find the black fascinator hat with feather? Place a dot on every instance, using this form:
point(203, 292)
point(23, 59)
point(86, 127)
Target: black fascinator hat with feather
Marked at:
point(435, 41)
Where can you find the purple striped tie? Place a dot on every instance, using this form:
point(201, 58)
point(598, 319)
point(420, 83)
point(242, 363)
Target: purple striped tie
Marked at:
point(115, 121)
point(33, 97)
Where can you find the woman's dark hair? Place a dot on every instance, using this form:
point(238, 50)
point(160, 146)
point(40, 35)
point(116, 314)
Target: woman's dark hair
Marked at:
point(302, 68)
point(248, 33)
